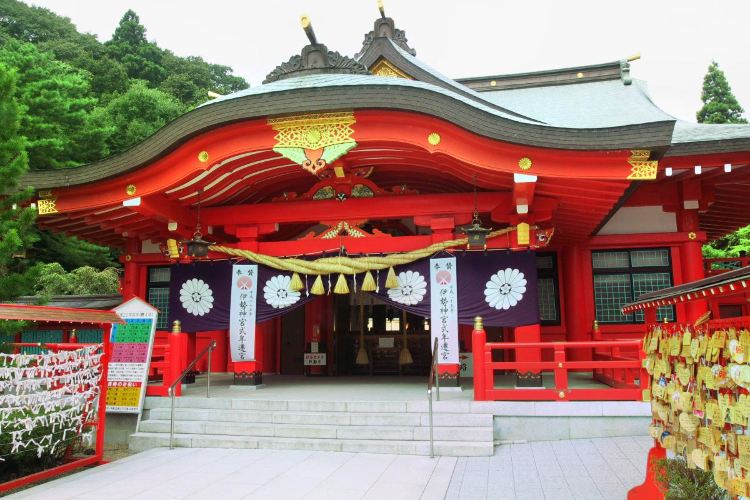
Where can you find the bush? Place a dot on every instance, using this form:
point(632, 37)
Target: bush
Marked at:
point(684, 483)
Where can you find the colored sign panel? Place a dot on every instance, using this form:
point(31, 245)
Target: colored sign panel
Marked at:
point(242, 311)
point(444, 308)
point(131, 354)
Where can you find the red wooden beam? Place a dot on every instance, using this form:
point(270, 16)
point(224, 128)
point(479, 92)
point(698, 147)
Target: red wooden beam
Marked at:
point(359, 208)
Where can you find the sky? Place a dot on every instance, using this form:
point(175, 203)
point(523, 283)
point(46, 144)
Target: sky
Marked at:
point(676, 39)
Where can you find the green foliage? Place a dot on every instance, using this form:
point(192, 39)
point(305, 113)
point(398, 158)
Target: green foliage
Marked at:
point(17, 229)
point(719, 103)
point(52, 279)
point(71, 252)
point(682, 483)
point(26, 460)
point(56, 109)
point(736, 244)
point(137, 114)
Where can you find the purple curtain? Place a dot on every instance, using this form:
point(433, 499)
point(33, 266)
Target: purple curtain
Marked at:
point(498, 286)
point(212, 286)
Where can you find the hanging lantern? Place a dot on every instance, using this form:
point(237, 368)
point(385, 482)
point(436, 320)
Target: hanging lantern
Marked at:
point(198, 247)
point(476, 234)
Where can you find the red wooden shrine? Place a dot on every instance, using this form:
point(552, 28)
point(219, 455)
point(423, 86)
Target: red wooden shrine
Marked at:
point(383, 143)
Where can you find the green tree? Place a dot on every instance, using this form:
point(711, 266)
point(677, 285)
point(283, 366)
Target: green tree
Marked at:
point(70, 252)
point(17, 230)
point(719, 103)
point(141, 58)
point(137, 114)
point(52, 279)
point(56, 109)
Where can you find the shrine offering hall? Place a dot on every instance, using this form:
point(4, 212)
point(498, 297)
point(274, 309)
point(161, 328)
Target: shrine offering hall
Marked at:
point(355, 215)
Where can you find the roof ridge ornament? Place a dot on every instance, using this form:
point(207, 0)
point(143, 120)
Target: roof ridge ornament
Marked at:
point(625, 68)
point(315, 59)
point(385, 27)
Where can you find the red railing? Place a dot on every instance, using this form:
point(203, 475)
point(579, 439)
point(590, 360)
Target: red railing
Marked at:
point(623, 373)
point(168, 359)
point(721, 265)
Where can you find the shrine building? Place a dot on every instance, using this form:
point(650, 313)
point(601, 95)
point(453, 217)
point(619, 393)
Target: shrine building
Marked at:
point(354, 209)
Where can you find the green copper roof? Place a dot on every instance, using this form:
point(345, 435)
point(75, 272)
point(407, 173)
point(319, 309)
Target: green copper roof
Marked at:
point(600, 104)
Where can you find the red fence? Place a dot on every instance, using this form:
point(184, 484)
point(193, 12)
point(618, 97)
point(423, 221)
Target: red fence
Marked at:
point(622, 372)
point(721, 265)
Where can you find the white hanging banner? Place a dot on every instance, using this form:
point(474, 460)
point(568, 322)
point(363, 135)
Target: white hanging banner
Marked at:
point(444, 308)
point(242, 311)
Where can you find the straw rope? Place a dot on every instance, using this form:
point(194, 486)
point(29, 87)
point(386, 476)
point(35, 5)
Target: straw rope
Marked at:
point(347, 265)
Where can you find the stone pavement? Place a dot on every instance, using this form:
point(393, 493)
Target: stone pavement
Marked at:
point(578, 469)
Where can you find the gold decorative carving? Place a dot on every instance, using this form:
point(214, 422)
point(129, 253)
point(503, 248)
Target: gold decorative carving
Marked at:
point(203, 156)
point(314, 140)
point(46, 206)
point(692, 235)
point(641, 168)
point(384, 68)
point(524, 163)
point(130, 190)
point(640, 154)
point(434, 139)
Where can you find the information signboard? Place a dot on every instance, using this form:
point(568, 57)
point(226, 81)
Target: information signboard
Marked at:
point(131, 354)
point(315, 359)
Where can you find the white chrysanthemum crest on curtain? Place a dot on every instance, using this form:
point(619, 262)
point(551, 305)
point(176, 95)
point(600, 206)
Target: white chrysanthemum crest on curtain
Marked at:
point(278, 293)
point(505, 288)
point(411, 288)
point(197, 297)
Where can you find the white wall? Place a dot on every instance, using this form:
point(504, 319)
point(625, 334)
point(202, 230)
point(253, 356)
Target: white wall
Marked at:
point(633, 220)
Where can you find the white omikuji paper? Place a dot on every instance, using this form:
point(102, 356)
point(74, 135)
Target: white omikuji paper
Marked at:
point(242, 312)
point(444, 309)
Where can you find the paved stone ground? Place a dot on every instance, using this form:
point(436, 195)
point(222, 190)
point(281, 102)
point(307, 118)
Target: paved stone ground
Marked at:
point(580, 469)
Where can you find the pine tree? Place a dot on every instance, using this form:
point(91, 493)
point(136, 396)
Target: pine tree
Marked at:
point(17, 231)
point(719, 103)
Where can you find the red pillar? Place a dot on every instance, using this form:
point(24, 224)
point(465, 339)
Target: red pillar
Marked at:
point(478, 340)
point(251, 372)
point(528, 333)
point(579, 302)
point(692, 260)
point(130, 276)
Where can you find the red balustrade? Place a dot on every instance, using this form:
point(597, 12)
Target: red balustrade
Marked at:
point(621, 372)
point(168, 359)
point(721, 265)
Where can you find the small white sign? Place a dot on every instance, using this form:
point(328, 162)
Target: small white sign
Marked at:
point(313, 347)
point(466, 359)
point(386, 342)
point(315, 359)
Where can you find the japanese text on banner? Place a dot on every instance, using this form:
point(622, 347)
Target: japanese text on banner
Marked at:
point(444, 308)
point(242, 311)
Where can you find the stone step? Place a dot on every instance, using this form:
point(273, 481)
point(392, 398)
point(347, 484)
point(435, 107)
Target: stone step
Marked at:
point(141, 441)
point(312, 406)
point(355, 432)
point(323, 418)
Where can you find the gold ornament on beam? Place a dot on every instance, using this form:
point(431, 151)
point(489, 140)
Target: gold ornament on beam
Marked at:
point(641, 168)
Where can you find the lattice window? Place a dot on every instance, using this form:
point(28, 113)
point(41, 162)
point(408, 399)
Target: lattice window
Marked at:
point(547, 299)
point(548, 289)
point(623, 275)
point(43, 336)
point(158, 294)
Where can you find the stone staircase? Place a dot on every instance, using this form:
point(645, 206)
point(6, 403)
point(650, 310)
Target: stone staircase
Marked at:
point(398, 427)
